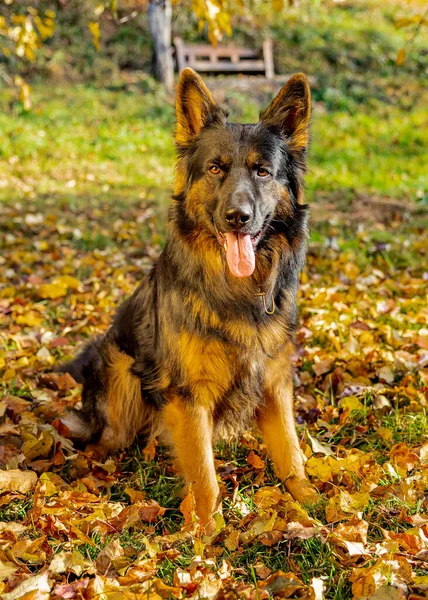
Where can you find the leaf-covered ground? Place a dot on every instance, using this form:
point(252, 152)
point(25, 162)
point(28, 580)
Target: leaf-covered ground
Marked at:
point(73, 526)
point(84, 183)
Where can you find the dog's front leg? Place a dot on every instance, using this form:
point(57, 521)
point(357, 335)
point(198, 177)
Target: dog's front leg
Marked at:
point(190, 428)
point(276, 422)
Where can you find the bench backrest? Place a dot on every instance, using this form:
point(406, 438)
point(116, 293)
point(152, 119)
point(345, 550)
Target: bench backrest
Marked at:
point(206, 58)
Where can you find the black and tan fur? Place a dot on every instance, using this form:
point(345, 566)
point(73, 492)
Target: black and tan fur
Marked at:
point(193, 353)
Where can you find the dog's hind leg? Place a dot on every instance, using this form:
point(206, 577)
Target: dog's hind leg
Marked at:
point(124, 409)
point(276, 422)
point(190, 428)
point(113, 411)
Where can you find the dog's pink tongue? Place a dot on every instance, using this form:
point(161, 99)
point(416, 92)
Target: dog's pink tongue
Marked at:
point(240, 254)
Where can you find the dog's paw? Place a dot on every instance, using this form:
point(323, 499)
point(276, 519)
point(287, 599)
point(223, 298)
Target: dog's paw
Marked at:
point(97, 451)
point(214, 525)
point(302, 490)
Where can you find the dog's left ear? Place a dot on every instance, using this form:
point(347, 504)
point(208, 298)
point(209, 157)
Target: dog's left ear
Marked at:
point(290, 112)
point(195, 107)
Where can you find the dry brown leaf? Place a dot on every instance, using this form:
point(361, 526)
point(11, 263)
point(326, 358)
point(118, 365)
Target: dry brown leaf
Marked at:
point(323, 366)
point(70, 562)
point(7, 569)
point(188, 507)
point(403, 457)
point(16, 480)
point(136, 514)
point(40, 584)
point(71, 590)
point(395, 571)
point(149, 451)
point(255, 461)
point(108, 557)
point(285, 584)
point(317, 447)
point(38, 447)
point(270, 538)
point(135, 495)
point(262, 571)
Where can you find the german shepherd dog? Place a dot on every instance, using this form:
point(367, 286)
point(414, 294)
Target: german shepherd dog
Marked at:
point(203, 346)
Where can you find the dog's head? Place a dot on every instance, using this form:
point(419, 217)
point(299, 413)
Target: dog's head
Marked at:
point(239, 182)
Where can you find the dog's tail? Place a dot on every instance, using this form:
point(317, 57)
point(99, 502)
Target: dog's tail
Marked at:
point(86, 424)
point(81, 368)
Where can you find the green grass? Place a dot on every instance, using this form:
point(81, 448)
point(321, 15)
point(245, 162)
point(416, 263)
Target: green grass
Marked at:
point(376, 151)
point(16, 510)
point(82, 144)
point(405, 426)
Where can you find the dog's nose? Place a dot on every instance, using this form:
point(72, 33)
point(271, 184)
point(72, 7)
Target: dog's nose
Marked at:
point(238, 217)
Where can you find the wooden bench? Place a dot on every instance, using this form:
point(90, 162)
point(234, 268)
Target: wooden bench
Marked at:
point(224, 59)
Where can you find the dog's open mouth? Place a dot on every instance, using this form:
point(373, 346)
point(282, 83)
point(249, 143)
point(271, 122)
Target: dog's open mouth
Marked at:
point(240, 251)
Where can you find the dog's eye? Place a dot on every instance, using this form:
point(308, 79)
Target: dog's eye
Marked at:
point(214, 169)
point(261, 172)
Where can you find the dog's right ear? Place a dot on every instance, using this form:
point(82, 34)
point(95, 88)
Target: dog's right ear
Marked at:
point(195, 107)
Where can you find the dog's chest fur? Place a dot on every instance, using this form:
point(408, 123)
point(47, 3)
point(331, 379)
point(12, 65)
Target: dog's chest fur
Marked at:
point(217, 362)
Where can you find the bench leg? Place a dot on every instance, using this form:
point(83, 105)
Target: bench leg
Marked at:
point(268, 59)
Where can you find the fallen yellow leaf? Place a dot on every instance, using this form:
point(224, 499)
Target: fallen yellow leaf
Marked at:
point(52, 291)
point(31, 319)
point(351, 402)
point(67, 281)
point(385, 433)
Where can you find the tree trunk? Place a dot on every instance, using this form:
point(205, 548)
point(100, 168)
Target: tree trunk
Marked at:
point(159, 13)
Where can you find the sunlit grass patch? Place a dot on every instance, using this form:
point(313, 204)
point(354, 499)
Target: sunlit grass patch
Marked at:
point(16, 510)
point(82, 142)
point(85, 144)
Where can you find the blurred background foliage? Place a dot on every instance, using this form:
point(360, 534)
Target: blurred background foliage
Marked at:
point(351, 48)
point(98, 115)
